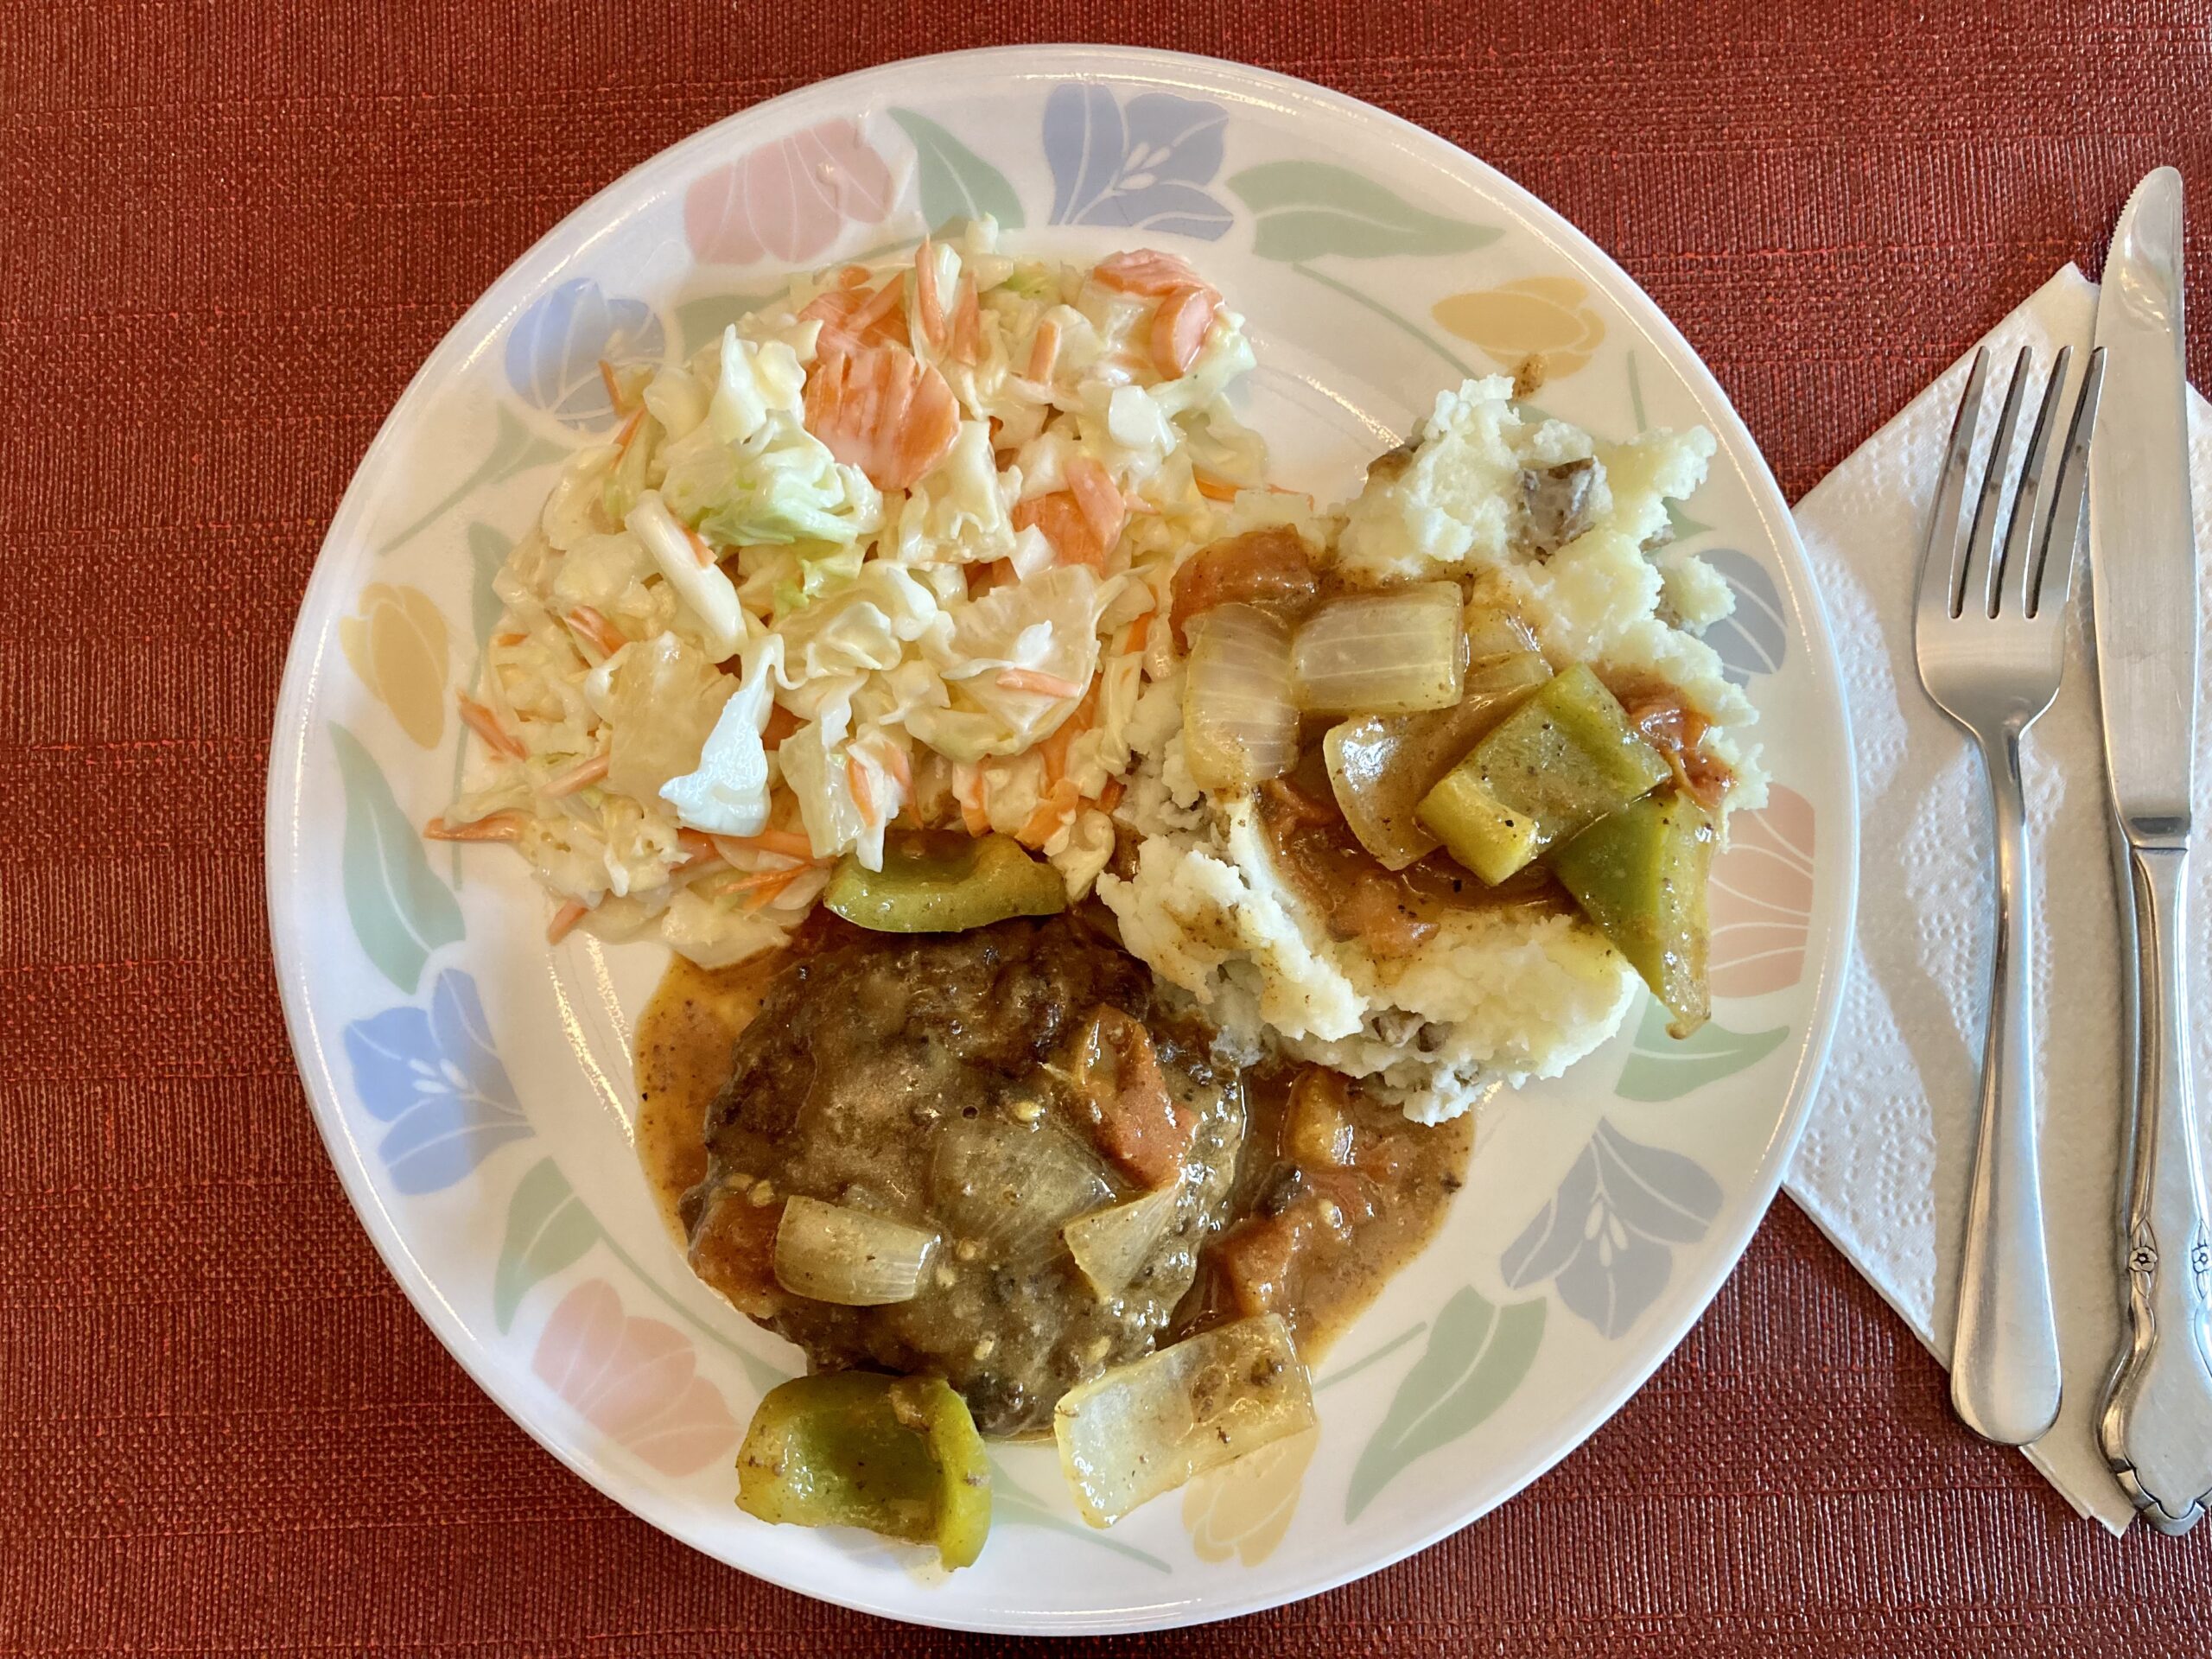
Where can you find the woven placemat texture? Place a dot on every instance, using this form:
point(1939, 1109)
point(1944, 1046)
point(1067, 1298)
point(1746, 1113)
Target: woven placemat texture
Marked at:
point(228, 234)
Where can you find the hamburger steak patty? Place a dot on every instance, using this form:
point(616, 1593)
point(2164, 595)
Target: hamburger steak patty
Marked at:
point(989, 1086)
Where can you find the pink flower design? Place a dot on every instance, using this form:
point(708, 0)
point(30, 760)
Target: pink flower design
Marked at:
point(1762, 897)
point(636, 1381)
point(787, 199)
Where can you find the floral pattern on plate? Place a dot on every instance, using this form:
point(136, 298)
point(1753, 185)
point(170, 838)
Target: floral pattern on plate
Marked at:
point(1348, 238)
point(432, 1076)
point(788, 201)
point(634, 1380)
point(1605, 1240)
point(562, 349)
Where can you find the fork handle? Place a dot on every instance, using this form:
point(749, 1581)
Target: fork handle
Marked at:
point(2005, 1376)
point(2156, 1428)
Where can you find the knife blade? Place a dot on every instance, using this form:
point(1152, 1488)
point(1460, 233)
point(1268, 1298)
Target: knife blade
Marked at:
point(2142, 554)
point(2156, 1425)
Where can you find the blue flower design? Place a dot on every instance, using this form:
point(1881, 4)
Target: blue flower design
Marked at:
point(1142, 166)
point(434, 1078)
point(1603, 1239)
point(1754, 637)
point(557, 345)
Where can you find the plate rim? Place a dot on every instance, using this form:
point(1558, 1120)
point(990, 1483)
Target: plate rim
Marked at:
point(473, 331)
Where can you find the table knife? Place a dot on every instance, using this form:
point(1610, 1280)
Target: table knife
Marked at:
point(2156, 1425)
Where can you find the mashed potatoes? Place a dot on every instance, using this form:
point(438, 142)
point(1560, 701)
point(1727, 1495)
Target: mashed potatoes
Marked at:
point(1516, 507)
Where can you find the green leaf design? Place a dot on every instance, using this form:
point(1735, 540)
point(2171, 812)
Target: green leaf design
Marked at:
point(1477, 1355)
point(1012, 1506)
point(1375, 1357)
point(400, 912)
point(700, 321)
point(957, 183)
point(1680, 526)
point(487, 551)
point(515, 449)
point(1310, 208)
point(548, 1228)
point(1660, 1068)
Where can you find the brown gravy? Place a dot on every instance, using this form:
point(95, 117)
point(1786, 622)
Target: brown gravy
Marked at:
point(1313, 1238)
point(1391, 912)
point(1287, 1253)
point(684, 1039)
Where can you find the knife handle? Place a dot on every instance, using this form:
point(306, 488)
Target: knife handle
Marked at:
point(2156, 1428)
point(2005, 1370)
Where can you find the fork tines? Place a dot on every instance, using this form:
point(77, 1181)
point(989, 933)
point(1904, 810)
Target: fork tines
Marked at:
point(2014, 578)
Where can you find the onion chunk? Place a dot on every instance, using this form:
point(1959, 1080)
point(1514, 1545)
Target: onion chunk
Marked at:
point(1146, 1428)
point(1012, 1185)
point(1240, 725)
point(1393, 654)
point(1110, 1245)
point(830, 1254)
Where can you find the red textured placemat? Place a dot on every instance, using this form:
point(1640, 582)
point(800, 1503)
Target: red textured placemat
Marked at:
point(227, 235)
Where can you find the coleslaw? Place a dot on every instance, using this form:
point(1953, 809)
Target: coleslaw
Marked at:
point(895, 550)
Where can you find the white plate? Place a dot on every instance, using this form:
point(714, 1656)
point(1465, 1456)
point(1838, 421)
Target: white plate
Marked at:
point(474, 1085)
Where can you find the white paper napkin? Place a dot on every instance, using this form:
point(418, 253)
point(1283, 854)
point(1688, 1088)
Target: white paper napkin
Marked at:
point(1884, 1165)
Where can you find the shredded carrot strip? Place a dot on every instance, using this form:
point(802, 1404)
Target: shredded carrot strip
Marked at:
point(1110, 797)
point(1055, 809)
point(565, 919)
point(699, 550)
point(1134, 636)
point(764, 890)
point(1045, 350)
point(901, 769)
point(594, 629)
point(853, 276)
point(873, 309)
point(583, 775)
point(481, 720)
point(967, 323)
point(856, 780)
point(775, 878)
point(509, 639)
point(1036, 680)
point(629, 432)
point(701, 850)
point(929, 305)
point(499, 826)
point(1214, 489)
point(788, 844)
point(1096, 499)
point(613, 386)
point(1054, 747)
point(968, 791)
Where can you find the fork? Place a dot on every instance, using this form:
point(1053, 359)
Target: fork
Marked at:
point(1989, 629)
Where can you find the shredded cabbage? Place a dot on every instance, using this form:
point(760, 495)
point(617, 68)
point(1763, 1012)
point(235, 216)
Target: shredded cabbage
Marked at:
point(663, 698)
point(751, 474)
point(729, 793)
point(719, 630)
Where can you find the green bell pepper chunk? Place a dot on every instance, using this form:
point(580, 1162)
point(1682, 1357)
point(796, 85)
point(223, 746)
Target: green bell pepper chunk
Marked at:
point(897, 1455)
point(1556, 765)
point(937, 882)
point(1640, 874)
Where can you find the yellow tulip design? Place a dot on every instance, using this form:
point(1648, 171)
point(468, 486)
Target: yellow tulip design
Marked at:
point(1542, 323)
point(1243, 1509)
point(397, 643)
